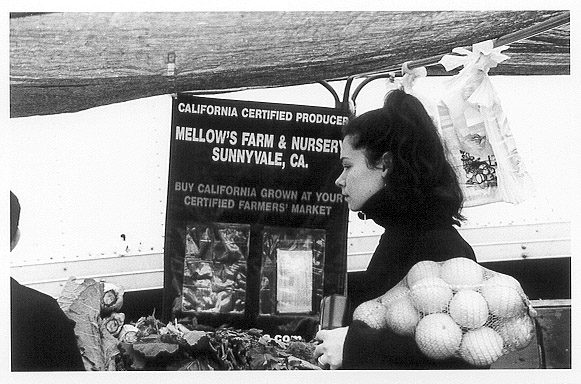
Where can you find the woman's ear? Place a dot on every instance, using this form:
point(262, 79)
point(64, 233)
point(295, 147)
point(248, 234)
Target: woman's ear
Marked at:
point(387, 163)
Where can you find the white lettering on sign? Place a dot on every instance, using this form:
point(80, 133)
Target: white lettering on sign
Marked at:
point(266, 114)
point(317, 118)
point(248, 156)
point(215, 110)
point(263, 140)
point(311, 144)
point(201, 135)
point(279, 194)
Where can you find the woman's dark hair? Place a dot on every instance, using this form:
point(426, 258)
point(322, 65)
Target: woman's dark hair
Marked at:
point(420, 167)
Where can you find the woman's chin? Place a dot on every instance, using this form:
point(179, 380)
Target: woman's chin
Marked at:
point(354, 208)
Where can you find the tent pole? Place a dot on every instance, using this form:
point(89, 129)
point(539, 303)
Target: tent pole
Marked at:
point(525, 33)
point(510, 38)
point(534, 30)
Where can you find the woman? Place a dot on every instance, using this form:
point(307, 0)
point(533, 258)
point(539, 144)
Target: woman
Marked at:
point(395, 172)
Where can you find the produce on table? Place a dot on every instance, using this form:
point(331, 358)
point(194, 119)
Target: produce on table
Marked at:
point(112, 299)
point(455, 308)
point(128, 333)
point(107, 343)
point(478, 317)
point(178, 346)
point(114, 323)
point(81, 301)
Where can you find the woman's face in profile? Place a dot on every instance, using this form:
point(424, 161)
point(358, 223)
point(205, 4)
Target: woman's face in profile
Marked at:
point(358, 182)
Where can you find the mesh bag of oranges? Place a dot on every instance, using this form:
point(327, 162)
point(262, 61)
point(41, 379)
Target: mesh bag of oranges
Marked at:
point(455, 308)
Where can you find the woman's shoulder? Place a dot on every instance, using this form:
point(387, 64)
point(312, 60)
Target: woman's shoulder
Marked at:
point(442, 243)
point(444, 231)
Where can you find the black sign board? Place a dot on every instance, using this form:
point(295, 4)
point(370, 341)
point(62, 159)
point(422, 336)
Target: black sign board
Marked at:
point(255, 228)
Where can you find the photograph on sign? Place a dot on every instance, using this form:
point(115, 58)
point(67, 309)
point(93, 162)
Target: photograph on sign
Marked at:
point(294, 281)
point(291, 276)
point(215, 268)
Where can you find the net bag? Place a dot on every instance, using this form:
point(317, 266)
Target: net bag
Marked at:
point(455, 308)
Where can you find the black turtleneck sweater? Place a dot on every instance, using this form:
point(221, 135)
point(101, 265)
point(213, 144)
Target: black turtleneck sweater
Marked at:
point(423, 231)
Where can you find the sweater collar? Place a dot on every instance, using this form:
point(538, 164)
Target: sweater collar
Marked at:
point(386, 211)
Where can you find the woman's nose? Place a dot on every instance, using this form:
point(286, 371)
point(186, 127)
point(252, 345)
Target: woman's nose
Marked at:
point(339, 181)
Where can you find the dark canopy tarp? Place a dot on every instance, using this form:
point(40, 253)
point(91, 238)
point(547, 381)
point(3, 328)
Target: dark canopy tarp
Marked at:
point(67, 62)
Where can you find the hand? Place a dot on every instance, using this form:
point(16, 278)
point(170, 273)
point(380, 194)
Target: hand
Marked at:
point(330, 351)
